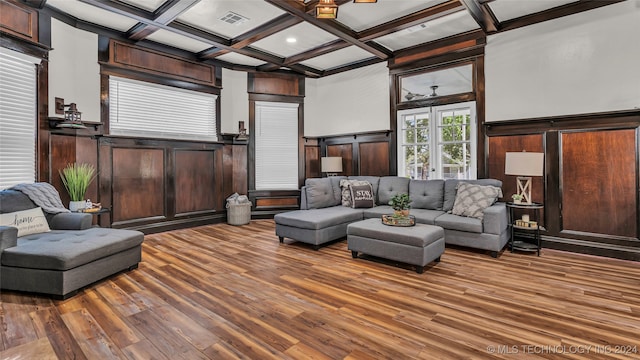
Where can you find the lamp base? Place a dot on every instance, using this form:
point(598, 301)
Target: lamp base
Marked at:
point(524, 188)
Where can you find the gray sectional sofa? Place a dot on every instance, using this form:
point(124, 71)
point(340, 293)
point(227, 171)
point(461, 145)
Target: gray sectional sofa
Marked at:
point(73, 254)
point(322, 218)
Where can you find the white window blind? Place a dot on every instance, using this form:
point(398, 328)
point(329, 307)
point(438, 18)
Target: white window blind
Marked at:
point(142, 109)
point(276, 149)
point(18, 118)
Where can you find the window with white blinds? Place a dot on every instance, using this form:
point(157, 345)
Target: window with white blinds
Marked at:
point(276, 147)
point(142, 109)
point(18, 118)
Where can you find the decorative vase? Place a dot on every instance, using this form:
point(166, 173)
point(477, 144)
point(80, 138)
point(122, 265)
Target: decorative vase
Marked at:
point(75, 206)
point(402, 213)
point(517, 201)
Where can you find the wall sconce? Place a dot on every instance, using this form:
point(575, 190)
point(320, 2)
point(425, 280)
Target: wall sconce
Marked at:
point(242, 131)
point(332, 165)
point(524, 165)
point(72, 114)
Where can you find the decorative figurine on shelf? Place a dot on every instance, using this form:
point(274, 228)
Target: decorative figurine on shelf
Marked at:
point(242, 132)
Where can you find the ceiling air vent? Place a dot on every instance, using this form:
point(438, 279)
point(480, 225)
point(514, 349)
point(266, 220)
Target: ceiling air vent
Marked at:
point(234, 19)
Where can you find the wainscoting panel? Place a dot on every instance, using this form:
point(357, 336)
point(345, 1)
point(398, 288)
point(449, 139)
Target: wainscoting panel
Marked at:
point(597, 197)
point(138, 184)
point(312, 162)
point(374, 158)
point(19, 19)
point(194, 169)
point(346, 152)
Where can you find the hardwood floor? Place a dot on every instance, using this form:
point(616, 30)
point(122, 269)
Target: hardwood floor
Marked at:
point(219, 292)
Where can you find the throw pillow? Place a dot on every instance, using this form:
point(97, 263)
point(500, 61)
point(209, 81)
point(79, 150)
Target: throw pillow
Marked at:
point(361, 196)
point(471, 200)
point(28, 222)
point(346, 193)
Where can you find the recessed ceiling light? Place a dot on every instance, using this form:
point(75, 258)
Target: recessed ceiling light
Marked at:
point(291, 40)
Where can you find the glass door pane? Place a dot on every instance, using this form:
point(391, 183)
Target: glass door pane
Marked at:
point(456, 141)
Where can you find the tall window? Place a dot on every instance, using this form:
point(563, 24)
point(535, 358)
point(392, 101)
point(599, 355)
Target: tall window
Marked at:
point(18, 118)
point(138, 108)
point(276, 146)
point(438, 142)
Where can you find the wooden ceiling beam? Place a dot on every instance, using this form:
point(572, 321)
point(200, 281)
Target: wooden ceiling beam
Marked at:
point(418, 17)
point(278, 24)
point(165, 14)
point(482, 15)
point(296, 8)
point(317, 51)
point(554, 13)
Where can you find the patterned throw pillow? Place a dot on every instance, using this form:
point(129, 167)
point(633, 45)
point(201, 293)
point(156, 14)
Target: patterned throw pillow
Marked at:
point(28, 222)
point(471, 200)
point(361, 196)
point(346, 193)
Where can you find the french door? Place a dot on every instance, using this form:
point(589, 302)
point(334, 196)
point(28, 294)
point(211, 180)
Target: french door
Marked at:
point(438, 142)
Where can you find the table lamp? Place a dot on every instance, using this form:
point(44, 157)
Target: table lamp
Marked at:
point(524, 165)
point(331, 165)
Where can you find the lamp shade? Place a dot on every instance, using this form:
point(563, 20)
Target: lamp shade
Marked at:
point(331, 164)
point(524, 163)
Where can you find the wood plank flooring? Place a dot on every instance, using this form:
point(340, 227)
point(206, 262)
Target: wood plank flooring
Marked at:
point(225, 292)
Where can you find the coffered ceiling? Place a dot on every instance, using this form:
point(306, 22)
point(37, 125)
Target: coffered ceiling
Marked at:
point(270, 35)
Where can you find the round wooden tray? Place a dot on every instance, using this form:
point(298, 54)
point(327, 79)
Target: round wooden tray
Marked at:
point(393, 220)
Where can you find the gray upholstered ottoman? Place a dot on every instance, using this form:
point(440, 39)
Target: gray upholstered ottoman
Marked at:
point(416, 245)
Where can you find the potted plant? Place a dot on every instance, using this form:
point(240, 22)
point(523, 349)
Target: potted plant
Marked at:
point(76, 179)
point(400, 203)
point(517, 198)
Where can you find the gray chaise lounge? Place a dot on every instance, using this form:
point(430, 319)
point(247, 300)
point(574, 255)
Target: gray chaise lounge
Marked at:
point(70, 256)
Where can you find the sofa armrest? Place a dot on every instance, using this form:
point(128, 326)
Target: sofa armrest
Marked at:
point(70, 221)
point(303, 198)
point(495, 219)
point(8, 237)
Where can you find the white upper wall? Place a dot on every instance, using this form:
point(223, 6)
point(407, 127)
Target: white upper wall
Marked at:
point(235, 101)
point(349, 102)
point(583, 63)
point(74, 73)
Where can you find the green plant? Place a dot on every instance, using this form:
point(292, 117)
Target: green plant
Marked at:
point(76, 179)
point(400, 202)
point(516, 197)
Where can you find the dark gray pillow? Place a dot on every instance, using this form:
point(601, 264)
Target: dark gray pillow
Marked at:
point(319, 193)
point(426, 194)
point(451, 185)
point(390, 186)
point(361, 196)
point(373, 180)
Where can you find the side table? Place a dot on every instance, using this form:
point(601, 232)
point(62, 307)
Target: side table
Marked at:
point(524, 245)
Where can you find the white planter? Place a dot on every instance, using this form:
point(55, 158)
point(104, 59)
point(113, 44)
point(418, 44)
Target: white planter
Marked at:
point(77, 205)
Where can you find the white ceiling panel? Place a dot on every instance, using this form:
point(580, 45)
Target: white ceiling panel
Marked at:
point(361, 16)
point(511, 9)
point(453, 24)
point(178, 41)
point(206, 15)
point(149, 5)
point(93, 14)
point(306, 35)
point(338, 58)
point(235, 58)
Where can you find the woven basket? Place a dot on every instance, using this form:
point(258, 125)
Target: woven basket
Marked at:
point(238, 214)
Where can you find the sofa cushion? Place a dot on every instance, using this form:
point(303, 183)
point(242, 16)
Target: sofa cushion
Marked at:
point(318, 218)
point(63, 250)
point(471, 199)
point(390, 186)
point(31, 221)
point(426, 194)
point(450, 189)
point(361, 196)
point(337, 190)
point(460, 223)
point(425, 216)
point(346, 193)
point(319, 193)
point(373, 180)
point(377, 212)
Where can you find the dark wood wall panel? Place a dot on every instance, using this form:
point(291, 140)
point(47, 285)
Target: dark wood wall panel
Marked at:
point(599, 182)
point(19, 19)
point(194, 170)
point(374, 158)
point(147, 60)
point(138, 184)
point(275, 84)
point(63, 151)
point(312, 161)
point(239, 168)
point(346, 152)
point(498, 147)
